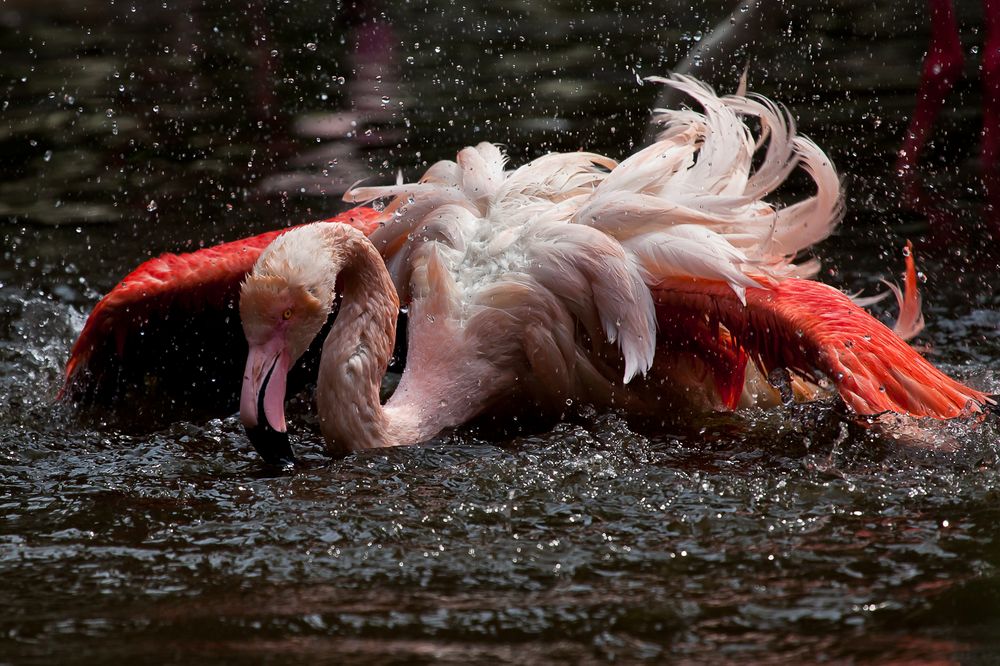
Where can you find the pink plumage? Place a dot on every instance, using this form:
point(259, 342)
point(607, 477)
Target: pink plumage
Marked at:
point(655, 283)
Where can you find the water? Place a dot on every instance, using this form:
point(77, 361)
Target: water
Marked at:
point(765, 536)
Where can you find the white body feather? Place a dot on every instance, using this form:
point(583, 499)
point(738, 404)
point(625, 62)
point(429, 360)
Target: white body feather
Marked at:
point(545, 268)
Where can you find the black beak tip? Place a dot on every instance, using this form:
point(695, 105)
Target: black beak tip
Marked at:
point(273, 446)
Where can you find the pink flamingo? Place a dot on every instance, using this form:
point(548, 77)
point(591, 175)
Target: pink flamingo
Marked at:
point(662, 282)
point(647, 285)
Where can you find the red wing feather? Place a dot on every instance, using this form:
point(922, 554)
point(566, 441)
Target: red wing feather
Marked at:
point(685, 331)
point(813, 329)
point(174, 310)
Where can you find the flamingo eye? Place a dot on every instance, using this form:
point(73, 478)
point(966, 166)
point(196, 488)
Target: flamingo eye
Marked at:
point(287, 314)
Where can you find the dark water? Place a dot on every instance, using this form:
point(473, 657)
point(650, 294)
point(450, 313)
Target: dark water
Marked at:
point(131, 128)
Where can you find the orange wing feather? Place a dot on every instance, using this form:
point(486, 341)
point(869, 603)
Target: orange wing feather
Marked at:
point(813, 329)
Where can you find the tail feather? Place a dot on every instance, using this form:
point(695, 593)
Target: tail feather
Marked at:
point(911, 317)
point(809, 221)
point(702, 172)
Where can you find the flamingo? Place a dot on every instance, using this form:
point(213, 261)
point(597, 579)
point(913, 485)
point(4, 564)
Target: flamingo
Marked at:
point(659, 283)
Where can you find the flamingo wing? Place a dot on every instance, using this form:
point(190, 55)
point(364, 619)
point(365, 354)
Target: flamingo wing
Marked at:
point(813, 330)
point(171, 329)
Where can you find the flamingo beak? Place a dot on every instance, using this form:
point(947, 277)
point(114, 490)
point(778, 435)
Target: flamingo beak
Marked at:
point(262, 401)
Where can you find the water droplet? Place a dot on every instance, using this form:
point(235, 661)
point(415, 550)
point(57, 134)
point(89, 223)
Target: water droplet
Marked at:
point(311, 46)
point(151, 206)
point(47, 156)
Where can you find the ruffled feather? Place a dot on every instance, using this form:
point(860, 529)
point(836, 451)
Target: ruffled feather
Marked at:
point(592, 236)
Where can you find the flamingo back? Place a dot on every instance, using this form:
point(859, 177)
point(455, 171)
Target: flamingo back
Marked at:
point(577, 240)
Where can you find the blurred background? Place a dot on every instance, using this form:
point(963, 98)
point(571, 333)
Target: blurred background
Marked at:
point(144, 116)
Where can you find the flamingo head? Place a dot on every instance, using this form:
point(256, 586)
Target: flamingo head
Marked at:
point(283, 307)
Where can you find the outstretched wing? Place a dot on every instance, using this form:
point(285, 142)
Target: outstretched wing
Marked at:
point(813, 330)
point(170, 332)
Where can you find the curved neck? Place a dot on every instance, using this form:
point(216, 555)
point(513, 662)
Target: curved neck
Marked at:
point(442, 385)
point(356, 351)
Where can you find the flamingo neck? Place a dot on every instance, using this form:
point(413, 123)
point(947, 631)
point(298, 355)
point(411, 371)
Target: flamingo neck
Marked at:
point(356, 351)
point(442, 385)
point(448, 379)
